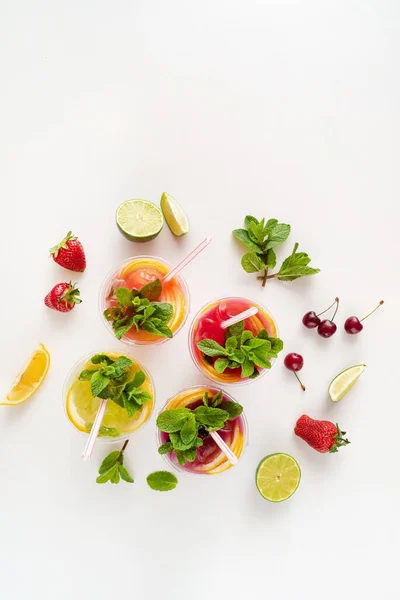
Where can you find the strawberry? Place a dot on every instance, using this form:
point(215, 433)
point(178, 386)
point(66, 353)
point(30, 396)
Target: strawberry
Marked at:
point(323, 436)
point(69, 253)
point(63, 297)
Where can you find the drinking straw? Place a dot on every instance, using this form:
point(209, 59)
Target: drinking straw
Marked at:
point(187, 260)
point(224, 448)
point(253, 310)
point(94, 431)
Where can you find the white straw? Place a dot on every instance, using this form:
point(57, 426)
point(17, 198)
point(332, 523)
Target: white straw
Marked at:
point(187, 260)
point(224, 448)
point(240, 317)
point(94, 431)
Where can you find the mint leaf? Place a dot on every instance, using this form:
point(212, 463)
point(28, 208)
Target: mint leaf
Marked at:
point(233, 408)
point(252, 263)
point(122, 363)
point(172, 420)
point(190, 455)
point(296, 271)
point(271, 259)
point(249, 220)
point(152, 291)
point(271, 223)
point(98, 383)
point(109, 461)
point(115, 476)
point(205, 399)
point(122, 329)
point(163, 310)
point(243, 236)
point(87, 375)
point(211, 348)
point(189, 430)
point(108, 475)
point(159, 329)
point(162, 481)
point(99, 358)
point(165, 448)
point(246, 335)
point(231, 344)
point(124, 296)
point(236, 329)
point(212, 417)
point(138, 379)
point(247, 368)
point(221, 364)
point(177, 442)
point(216, 400)
point(277, 236)
point(124, 474)
point(238, 356)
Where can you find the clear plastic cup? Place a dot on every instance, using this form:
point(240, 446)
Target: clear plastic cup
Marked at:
point(210, 459)
point(136, 272)
point(206, 325)
point(80, 407)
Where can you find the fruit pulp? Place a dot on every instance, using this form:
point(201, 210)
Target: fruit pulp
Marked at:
point(82, 408)
point(136, 273)
point(207, 325)
point(210, 460)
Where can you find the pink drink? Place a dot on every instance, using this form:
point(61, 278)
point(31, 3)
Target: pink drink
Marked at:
point(207, 325)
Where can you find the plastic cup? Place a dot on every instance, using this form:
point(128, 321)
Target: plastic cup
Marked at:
point(115, 416)
point(135, 273)
point(210, 459)
point(206, 325)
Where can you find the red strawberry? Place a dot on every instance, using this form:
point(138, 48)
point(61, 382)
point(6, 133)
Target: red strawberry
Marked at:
point(323, 436)
point(63, 297)
point(69, 253)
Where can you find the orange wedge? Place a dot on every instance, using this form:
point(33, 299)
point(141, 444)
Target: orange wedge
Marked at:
point(30, 379)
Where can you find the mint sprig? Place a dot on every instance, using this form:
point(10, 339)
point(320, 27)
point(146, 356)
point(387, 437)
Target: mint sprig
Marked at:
point(112, 468)
point(109, 380)
point(187, 427)
point(242, 350)
point(139, 309)
point(261, 238)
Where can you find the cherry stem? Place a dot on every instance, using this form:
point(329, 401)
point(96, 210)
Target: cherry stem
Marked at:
point(303, 387)
point(337, 307)
point(326, 310)
point(372, 311)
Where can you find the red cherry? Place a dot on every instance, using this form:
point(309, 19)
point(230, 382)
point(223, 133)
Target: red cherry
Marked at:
point(327, 327)
point(294, 362)
point(312, 320)
point(353, 325)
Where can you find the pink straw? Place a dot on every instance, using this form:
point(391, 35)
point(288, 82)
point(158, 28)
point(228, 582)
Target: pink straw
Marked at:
point(224, 448)
point(240, 317)
point(187, 260)
point(94, 431)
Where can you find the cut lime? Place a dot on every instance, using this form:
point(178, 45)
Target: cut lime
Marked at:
point(174, 215)
point(278, 477)
point(344, 381)
point(139, 220)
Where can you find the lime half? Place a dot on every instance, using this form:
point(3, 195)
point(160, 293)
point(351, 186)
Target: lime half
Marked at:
point(278, 477)
point(174, 215)
point(139, 220)
point(344, 381)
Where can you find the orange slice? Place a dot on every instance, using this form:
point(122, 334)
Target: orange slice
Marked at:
point(30, 379)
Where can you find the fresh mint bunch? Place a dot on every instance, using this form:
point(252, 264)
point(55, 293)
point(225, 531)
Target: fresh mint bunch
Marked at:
point(243, 350)
point(139, 309)
point(112, 468)
point(109, 380)
point(188, 427)
point(261, 238)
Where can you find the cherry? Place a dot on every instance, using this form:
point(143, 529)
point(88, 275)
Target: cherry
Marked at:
point(354, 325)
point(312, 320)
point(294, 362)
point(327, 327)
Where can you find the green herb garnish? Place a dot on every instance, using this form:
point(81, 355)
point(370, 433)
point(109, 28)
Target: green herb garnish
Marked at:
point(139, 309)
point(187, 427)
point(112, 468)
point(109, 380)
point(243, 350)
point(261, 238)
point(162, 481)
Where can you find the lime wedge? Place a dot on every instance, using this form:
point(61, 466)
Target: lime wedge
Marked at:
point(278, 477)
point(174, 215)
point(344, 381)
point(139, 220)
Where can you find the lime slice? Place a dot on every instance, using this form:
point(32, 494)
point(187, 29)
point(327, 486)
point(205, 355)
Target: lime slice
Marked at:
point(174, 215)
point(139, 220)
point(278, 477)
point(344, 381)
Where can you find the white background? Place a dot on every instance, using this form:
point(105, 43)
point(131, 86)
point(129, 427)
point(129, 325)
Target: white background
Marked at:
point(280, 109)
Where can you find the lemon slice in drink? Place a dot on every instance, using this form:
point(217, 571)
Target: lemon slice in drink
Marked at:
point(278, 477)
point(174, 215)
point(139, 220)
point(30, 378)
point(342, 383)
